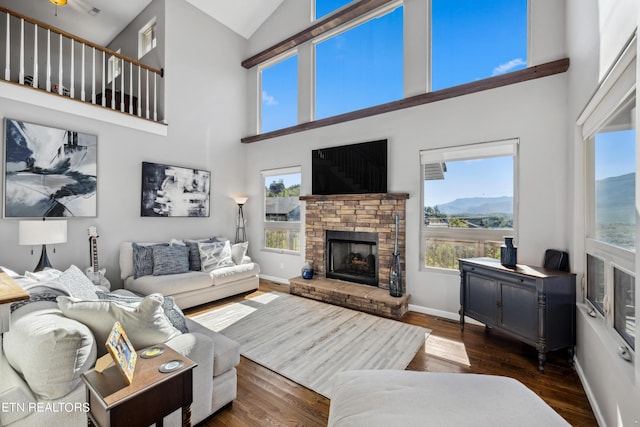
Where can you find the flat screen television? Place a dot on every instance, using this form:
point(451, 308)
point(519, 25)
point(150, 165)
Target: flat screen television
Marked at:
point(350, 169)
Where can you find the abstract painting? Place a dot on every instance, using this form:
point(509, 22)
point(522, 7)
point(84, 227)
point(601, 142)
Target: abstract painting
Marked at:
point(48, 172)
point(174, 191)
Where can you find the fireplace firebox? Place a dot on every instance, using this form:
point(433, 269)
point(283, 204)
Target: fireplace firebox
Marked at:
point(352, 256)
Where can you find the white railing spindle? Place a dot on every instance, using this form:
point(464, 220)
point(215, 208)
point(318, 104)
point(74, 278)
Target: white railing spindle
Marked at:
point(7, 58)
point(21, 75)
point(93, 77)
point(72, 78)
point(139, 92)
point(112, 65)
point(48, 60)
point(82, 90)
point(147, 97)
point(60, 69)
point(104, 72)
point(121, 62)
point(130, 88)
point(34, 79)
point(155, 97)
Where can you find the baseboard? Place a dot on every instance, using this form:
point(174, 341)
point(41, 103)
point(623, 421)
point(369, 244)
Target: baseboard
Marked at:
point(274, 279)
point(441, 313)
point(587, 390)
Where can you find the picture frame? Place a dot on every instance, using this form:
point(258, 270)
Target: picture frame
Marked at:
point(48, 171)
point(174, 191)
point(122, 352)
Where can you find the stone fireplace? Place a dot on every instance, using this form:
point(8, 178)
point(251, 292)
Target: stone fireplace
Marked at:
point(359, 213)
point(355, 218)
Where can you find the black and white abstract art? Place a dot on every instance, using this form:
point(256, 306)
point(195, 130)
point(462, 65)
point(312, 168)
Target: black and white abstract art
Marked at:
point(174, 191)
point(48, 172)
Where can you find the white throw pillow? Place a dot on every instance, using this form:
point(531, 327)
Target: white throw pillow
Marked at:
point(238, 251)
point(215, 255)
point(50, 351)
point(77, 283)
point(144, 323)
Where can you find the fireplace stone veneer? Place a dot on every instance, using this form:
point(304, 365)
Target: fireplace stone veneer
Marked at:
point(374, 212)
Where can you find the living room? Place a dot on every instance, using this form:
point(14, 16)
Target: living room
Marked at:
point(211, 104)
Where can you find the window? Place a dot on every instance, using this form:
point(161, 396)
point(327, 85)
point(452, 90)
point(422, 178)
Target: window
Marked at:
point(114, 67)
point(147, 38)
point(282, 209)
point(362, 66)
point(472, 40)
point(468, 201)
point(279, 94)
point(325, 7)
point(609, 132)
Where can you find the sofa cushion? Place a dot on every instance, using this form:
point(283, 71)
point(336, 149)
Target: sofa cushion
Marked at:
point(215, 255)
point(171, 310)
point(194, 253)
point(144, 323)
point(49, 350)
point(169, 285)
point(172, 259)
point(224, 275)
point(226, 351)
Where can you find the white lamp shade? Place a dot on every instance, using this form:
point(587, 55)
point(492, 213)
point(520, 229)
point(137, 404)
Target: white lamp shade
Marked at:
point(42, 232)
point(240, 200)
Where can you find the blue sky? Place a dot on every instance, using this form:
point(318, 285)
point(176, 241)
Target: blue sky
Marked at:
point(615, 153)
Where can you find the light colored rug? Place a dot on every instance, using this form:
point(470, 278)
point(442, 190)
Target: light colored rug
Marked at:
point(309, 341)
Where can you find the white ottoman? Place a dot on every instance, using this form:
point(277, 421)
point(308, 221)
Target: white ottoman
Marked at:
point(371, 398)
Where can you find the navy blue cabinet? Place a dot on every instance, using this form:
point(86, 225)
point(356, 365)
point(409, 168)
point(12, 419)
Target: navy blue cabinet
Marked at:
point(534, 305)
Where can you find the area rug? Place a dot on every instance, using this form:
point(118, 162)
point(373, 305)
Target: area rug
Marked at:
point(309, 341)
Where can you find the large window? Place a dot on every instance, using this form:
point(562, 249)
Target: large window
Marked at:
point(473, 40)
point(282, 209)
point(608, 125)
point(468, 201)
point(360, 67)
point(279, 94)
point(611, 217)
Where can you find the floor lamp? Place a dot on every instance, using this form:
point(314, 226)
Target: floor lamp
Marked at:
point(241, 235)
point(42, 233)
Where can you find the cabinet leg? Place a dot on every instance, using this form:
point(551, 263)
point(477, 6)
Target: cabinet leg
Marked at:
point(542, 358)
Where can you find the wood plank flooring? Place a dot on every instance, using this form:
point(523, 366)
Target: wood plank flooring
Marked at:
point(268, 399)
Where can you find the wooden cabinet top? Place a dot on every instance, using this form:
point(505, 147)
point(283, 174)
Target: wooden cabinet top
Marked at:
point(526, 270)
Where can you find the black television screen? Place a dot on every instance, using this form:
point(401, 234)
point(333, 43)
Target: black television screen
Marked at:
point(350, 169)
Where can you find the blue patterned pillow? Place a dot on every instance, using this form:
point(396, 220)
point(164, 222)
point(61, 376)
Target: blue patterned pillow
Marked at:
point(215, 255)
point(194, 253)
point(143, 259)
point(172, 259)
point(171, 310)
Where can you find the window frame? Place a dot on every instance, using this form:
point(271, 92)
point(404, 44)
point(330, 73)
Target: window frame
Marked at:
point(616, 90)
point(279, 225)
point(151, 25)
point(341, 29)
point(268, 64)
point(500, 148)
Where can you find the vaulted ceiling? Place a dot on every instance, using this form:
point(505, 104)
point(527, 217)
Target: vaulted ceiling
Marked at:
point(242, 16)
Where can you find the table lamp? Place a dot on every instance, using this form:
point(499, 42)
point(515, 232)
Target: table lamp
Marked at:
point(42, 233)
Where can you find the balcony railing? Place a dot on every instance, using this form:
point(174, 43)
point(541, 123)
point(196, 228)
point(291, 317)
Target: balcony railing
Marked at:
point(52, 60)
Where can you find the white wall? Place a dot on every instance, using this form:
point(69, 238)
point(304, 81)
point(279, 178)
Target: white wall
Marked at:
point(205, 87)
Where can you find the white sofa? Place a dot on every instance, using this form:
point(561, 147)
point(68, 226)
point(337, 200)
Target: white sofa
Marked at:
point(190, 288)
point(47, 349)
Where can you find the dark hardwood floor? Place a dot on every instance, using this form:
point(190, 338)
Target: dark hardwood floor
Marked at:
point(266, 398)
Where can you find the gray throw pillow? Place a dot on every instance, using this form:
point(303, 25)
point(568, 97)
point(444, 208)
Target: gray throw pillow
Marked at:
point(172, 259)
point(143, 259)
point(171, 310)
point(194, 253)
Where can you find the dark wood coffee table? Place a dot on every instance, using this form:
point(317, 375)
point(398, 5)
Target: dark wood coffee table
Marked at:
point(150, 397)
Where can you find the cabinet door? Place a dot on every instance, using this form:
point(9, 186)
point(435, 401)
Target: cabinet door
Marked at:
point(481, 299)
point(519, 310)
